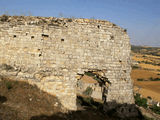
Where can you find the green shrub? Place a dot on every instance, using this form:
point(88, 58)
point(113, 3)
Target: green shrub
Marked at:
point(89, 74)
point(140, 101)
point(154, 79)
point(88, 91)
point(155, 109)
point(140, 79)
point(135, 67)
point(9, 85)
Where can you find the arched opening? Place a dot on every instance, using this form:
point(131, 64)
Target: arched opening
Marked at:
point(92, 87)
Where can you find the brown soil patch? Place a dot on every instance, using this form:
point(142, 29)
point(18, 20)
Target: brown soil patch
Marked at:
point(88, 79)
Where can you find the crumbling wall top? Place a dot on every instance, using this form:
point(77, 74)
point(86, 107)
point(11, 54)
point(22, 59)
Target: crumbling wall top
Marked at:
point(51, 21)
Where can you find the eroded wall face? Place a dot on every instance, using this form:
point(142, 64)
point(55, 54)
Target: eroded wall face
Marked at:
point(52, 55)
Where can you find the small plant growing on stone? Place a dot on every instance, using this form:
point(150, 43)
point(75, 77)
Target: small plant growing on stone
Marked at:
point(88, 91)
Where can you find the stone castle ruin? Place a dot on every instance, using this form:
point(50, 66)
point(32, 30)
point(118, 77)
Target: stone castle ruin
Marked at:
point(52, 52)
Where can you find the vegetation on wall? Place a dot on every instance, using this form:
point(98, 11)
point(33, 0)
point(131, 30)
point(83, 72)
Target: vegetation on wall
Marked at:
point(88, 91)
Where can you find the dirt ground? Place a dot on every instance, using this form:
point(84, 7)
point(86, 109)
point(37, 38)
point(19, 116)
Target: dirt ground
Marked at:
point(88, 79)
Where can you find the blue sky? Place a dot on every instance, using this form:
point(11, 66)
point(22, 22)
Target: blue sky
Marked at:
point(141, 18)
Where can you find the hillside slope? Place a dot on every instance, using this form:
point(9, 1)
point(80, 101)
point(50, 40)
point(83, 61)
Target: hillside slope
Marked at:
point(146, 73)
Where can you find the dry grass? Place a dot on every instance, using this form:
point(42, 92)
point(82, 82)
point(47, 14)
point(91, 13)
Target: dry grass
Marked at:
point(139, 58)
point(149, 66)
point(144, 74)
point(145, 91)
point(151, 85)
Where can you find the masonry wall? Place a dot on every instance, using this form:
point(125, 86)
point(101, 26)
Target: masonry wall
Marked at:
point(50, 52)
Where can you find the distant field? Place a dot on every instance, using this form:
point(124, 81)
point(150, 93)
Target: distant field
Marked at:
point(144, 74)
point(148, 69)
point(155, 51)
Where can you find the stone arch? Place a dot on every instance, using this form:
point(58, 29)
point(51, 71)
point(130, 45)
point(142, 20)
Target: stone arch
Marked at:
point(94, 79)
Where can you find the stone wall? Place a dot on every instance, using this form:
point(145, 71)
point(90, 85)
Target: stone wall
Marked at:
point(51, 52)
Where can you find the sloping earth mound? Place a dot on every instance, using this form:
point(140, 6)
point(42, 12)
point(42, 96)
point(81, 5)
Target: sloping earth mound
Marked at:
point(22, 101)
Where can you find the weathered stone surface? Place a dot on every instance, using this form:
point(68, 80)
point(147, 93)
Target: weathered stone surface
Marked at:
point(50, 52)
